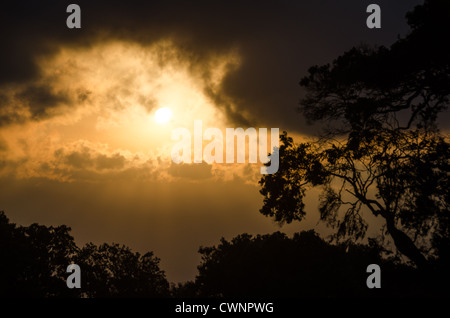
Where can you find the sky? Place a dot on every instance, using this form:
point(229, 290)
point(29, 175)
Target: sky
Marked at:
point(79, 143)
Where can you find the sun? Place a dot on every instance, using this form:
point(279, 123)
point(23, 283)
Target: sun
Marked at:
point(163, 115)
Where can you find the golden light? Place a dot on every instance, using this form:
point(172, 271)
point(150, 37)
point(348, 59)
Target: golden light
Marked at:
point(163, 115)
point(120, 114)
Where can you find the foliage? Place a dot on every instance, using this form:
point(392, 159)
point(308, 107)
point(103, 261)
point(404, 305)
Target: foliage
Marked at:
point(34, 261)
point(115, 271)
point(381, 152)
point(277, 266)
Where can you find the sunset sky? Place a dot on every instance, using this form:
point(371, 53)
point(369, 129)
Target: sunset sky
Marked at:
point(79, 143)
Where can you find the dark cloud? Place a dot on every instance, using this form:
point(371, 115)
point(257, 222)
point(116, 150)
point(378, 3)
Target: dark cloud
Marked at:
point(40, 97)
point(277, 40)
point(6, 114)
point(87, 158)
point(77, 159)
point(34, 101)
point(194, 171)
point(116, 161)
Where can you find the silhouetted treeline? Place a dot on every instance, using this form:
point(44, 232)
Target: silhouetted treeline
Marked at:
point(305, 265)
point(33, 262)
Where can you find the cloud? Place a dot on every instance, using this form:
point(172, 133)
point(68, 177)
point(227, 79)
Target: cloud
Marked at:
point(71, 124)
point(39, 97)
point(277, 42)
point(116, 161)
point(87, 158)
point(194, 171)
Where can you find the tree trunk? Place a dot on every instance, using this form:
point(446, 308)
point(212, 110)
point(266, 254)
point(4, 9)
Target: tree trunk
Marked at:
point(405, 245)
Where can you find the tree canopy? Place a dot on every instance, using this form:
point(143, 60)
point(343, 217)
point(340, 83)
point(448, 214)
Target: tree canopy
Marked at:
point(382, 151)
point(34, 260)
point(115, 271)
point(276, 266)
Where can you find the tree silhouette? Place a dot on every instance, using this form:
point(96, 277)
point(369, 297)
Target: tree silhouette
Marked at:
point(275, 265)
point(116, 271)
point(382, 151)
point(34, 261)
